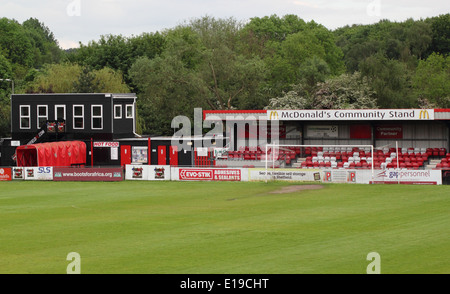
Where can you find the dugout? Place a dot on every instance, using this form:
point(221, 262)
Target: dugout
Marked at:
point(56, 154)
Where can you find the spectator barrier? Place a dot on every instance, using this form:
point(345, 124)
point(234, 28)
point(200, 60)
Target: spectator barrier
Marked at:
point(168, 173)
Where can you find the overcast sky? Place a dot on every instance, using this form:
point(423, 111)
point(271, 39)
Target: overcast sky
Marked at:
point(74, 21)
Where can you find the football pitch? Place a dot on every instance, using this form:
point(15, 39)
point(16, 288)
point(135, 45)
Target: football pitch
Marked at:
point(144, 227)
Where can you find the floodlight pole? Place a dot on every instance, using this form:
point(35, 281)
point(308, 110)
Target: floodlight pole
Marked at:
point(9, 80)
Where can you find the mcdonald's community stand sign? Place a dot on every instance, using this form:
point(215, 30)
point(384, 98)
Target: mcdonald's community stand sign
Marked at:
point(352, 114)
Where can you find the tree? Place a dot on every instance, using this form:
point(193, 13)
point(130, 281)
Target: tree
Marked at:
point(110, 81)
point(347, 91)
point(117, 52)
point(313, 71)
point(15, 44)
point(86, 82)
point(285, 44)
point(59, 78)
point(440, 27)
point(391, 79)
point(45, 45)
point(200, 67)
point(166, 84)
point(230, 81)
point(5, 91)
point(432, 80)
point(166, 89)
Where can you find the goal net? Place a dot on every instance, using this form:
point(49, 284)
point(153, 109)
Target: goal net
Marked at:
point(336, 157)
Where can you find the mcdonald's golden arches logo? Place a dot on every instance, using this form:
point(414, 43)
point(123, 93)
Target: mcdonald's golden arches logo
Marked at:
point(273, 115)
point(424, 114)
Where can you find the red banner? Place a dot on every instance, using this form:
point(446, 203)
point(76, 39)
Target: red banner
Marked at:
point(5, 174)
point(88, 174)
point(210, 174)
point(360, 132)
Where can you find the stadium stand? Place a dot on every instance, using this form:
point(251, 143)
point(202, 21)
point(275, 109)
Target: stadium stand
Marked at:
point(340, 157)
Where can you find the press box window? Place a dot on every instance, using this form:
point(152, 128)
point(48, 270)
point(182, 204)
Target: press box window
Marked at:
point(130, 111)
point(78, 117)
point(117, 111)
point(42, 115)
point(60, 112)
point(97, 117)
point(25, 117)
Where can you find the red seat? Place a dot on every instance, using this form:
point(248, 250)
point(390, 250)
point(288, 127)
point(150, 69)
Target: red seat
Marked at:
point(435, 151)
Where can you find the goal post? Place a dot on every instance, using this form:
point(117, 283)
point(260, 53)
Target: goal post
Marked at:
point(278, 154)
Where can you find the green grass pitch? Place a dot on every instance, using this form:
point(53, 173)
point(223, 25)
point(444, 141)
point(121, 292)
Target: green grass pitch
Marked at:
point(222, 228)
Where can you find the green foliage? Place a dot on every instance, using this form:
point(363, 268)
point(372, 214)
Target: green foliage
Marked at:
point(440, 27)
point(86, 82)
point(347, 91)
point(227, 64)
point(117, 52)
point(55, 78)
point(15, 44)
point(46, 48)
point(72, 78)
point(288, 45)
point(432, 80)
point(390, 79)
point(198, 68)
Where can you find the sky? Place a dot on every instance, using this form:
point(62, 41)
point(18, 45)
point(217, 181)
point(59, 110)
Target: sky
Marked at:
point(75, 21)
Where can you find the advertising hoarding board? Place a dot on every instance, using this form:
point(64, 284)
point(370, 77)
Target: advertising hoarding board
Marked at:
point(88, 174)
